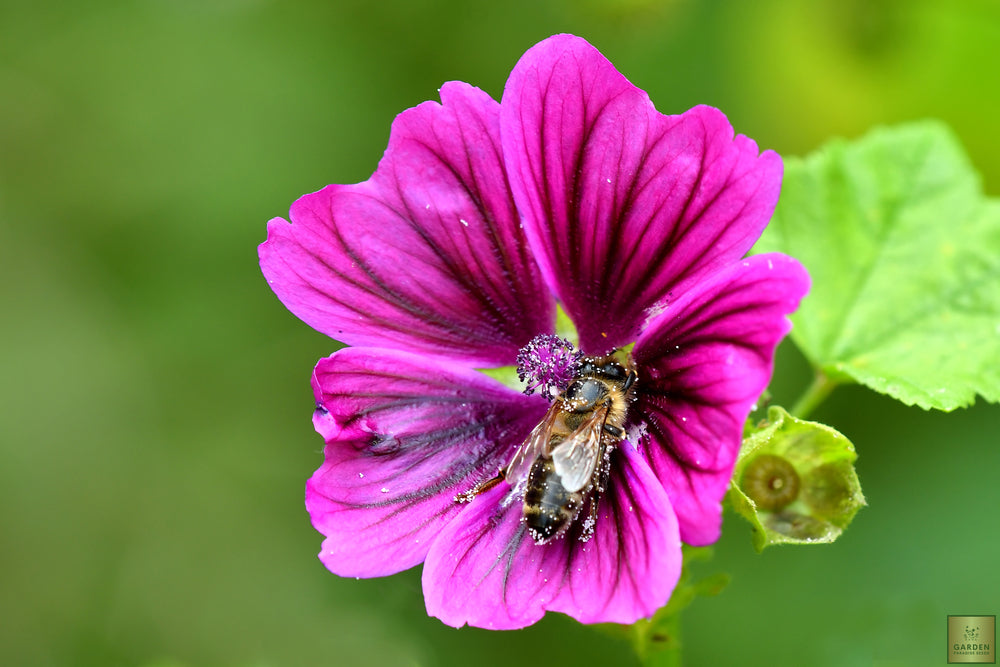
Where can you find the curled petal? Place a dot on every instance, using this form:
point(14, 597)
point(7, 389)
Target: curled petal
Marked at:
point(618, 199)
point(484, 570)
point(705, 361)
point(404, 435)
point(428, 254)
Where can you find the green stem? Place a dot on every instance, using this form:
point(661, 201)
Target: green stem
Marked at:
point(658, 642)
point(817, 392)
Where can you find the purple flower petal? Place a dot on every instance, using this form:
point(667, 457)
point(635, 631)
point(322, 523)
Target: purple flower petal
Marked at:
point(427, 255)
point(486, 571)
point(404, 435)
point(704, 361)
point(622, 204)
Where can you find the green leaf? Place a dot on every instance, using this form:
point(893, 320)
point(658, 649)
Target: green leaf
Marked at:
point(794, 481)
point(904, 254)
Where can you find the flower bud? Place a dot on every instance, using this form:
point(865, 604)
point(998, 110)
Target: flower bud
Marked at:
point(795, 482)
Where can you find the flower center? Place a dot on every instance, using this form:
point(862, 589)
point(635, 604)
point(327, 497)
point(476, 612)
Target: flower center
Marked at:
point(547, 364)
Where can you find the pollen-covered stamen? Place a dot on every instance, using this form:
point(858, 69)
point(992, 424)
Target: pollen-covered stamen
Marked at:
point(547, 364)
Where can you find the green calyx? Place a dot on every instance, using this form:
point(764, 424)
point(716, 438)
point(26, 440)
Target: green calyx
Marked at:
point(795, 482)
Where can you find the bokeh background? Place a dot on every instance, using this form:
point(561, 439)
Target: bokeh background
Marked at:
point(155, 405)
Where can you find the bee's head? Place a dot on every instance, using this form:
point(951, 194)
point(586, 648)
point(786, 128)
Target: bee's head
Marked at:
point(605, 368)
point(584, 393)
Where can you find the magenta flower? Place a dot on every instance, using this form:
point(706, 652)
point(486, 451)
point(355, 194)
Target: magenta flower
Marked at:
point(452, 256)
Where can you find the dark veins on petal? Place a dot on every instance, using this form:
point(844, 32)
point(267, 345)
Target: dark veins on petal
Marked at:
point(470, 436)
point(690, 383)
point(685, 221)
point(567, 552)
point(491, 324)
point(489, 294)
point(621, 496)
point(677, 230)
point(429, 252)
point(378, 289)
point(517, 282)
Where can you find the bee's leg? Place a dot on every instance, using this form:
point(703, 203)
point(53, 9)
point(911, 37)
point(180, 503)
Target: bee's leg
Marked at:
point(604, 475)
point(614, 431)
point(590, 523)
point(482, 487)
point(602, 480)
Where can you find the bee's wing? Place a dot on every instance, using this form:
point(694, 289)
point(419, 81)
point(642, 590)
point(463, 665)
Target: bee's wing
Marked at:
point(577, 456)
point(533, 447)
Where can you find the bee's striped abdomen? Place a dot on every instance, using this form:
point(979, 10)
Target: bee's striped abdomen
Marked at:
point(548, 507)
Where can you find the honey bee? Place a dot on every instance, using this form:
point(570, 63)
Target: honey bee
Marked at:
point(565, 460)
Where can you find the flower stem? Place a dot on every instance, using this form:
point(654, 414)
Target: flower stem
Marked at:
point(658, 644)
point(657, 640)
point(817, 392)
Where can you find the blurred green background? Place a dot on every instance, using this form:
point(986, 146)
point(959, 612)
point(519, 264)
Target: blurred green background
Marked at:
point(155, 429)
